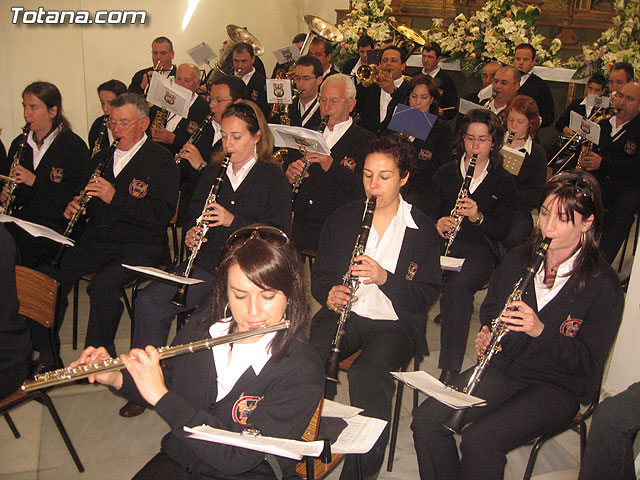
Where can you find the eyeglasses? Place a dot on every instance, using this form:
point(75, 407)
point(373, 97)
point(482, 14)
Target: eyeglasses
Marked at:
point(305, 78)
point(332, 101)
point(472, 139)
point(581, 187)
point(271, 235)
point(123, 124)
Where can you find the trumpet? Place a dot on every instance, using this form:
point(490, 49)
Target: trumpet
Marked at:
point(298, 180)
point(70, 374)
point(349, 280)
point(369, 74)
point(84, 199)
point(464, 192)
point(195, 136)
point(157, 68)
point(5, 207)
point(499, 328)
point(103, 130)
point(180, 296)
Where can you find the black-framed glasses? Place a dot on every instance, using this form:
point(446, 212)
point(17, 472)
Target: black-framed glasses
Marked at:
point(581, 186)
point(272, 235)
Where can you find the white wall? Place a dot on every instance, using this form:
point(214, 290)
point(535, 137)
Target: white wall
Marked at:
point(78, 58)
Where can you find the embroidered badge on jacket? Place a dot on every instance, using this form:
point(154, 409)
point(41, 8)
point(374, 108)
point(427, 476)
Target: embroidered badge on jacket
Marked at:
point(350, 163)
point(243, 407)
point(56, 174)
point(192, 127)
point(630, 147)
point(411, 272)
point(425, 155)
point(137, 188)
point(570, 327)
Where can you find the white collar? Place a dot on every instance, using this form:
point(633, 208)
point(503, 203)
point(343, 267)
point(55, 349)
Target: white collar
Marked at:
point(433, 73)
point(524, 77)
point(324, 74)
point(476, 180)
point(247, 76)
point(121, 158)
point(238, 177)
point(398, 81)
point(403, 215)
point(528, 144)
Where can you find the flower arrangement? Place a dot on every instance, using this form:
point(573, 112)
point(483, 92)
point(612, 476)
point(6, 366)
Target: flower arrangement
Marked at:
point(619, 43)
point(366, 17)
point(491, 35)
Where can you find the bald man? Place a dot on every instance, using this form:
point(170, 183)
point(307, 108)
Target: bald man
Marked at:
point(506, 83)
point(616, 164)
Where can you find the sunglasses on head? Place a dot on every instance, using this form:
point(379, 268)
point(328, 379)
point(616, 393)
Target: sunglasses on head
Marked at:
point(271, 235)
point(581, 187)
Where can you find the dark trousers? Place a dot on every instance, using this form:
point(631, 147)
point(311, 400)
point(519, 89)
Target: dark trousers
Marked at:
point(515, 414)
point(615, 424)
point(386, 346)
point(161, 466)
point(520, 230)
point(622, 204)
point(155, 312)
point(33, 250)
point(456, 301)
point(104, 259)
point(12, 377)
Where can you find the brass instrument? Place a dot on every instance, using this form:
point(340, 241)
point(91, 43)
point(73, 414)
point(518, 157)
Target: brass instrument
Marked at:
point(499, 328)
point(353, 282)
point(282, 109)
point(369, 74)
point(103, 130)
point(224, 65)
point(157, 68)
point(84, 198)
point(319, 27)
point(195, 136)
point(180, 296)
point(464, 192)
point(299, 178)
point(489, 100)
point(5, 207)
point(510, 138)
point(159, 119)
point(70, 374)
point(405, 37)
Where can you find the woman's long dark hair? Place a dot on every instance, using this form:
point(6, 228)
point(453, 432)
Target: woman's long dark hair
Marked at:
point(269, 267)
point(427, 81)
point(576, 192)
point(496, 130)
point(49, 94)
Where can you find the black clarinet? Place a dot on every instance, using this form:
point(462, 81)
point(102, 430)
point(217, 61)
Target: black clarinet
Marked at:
point(97, 145)
point(295, 189)
point(84, 198)
point(195, 136)
point(5, 207)
point(353, 282)
point(499, 329)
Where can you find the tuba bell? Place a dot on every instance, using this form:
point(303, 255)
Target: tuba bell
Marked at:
point(224, 65)
point(405, 37)
point(319, 27)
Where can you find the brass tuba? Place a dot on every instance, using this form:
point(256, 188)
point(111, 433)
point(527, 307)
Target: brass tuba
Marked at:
point(320, 28)
point(224, 65)
point(405, 37)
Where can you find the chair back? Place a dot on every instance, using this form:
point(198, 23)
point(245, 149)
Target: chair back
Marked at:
point(311, 432)
point(37, 294)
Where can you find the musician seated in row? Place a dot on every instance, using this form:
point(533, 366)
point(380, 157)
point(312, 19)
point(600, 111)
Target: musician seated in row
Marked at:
point(436, 149)
point(305, 111)
point(533, 86)
point(244, 67)
point(270, 383)
point(552, 358)
point(620, 74)
point(485, 215)
point(615, 162)
point(298, 41)
point(505, 86)
point(49, 171)
point(332, 180)
point(377, 102)
point(431, 57)
point(126, 219)
point(400, 275)
point(322, 50)
point(596, 85)
point(100, 136)
point(364, 45)
point(162, 62)
point(253, 190)
point(523, 120)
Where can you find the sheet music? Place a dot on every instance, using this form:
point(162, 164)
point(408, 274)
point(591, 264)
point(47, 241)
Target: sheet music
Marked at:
point(163, 92)
point(434, 388)
point(584, 127)
point(162, 275)
point(451, 264)
point(513, 160)
point(359, 436)
point(467, 105)
point(299, 137)
point(37, 230)
point(338, 410)
point(202, 53)
point(283, 447)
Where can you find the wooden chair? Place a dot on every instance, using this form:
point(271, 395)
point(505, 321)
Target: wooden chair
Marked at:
point(38, 296)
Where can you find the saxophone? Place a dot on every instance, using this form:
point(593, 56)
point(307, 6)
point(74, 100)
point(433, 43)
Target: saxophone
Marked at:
point(195, 136)
point(159, 119)
point(180, 296)
point(588, 145)
point(510, 138)
point(349, 280)
point(464, 192)
point(103, 130)
point(499, 329)
point(84, 198)
point(298, 180)
point(5, 207)
point(489, 100)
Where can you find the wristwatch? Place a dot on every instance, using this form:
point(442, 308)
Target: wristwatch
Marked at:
point(479, 220)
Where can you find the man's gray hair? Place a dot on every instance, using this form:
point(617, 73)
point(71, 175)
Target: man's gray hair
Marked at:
point(134, 99)
point(341, 78)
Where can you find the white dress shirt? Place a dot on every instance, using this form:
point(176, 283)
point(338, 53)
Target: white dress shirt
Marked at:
point(544, 294)
point(38, 153)
point(475, 181)
point(385, 98)
point(333, 136)
point(433, 73)
point(385, 250)
point(122, 157)
point(247, 77)
point(237, 178)
point(217, 133)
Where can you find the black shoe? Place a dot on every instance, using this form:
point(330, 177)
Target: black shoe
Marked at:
point(437, 320)
point(448, 377)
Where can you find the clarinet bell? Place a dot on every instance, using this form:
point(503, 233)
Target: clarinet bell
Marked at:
point(180, 297)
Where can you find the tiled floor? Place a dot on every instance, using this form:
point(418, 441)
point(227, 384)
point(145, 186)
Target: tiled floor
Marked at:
point(112, 447)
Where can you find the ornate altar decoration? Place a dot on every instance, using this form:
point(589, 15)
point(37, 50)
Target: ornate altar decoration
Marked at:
point(619, 43)
point(491, 35)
